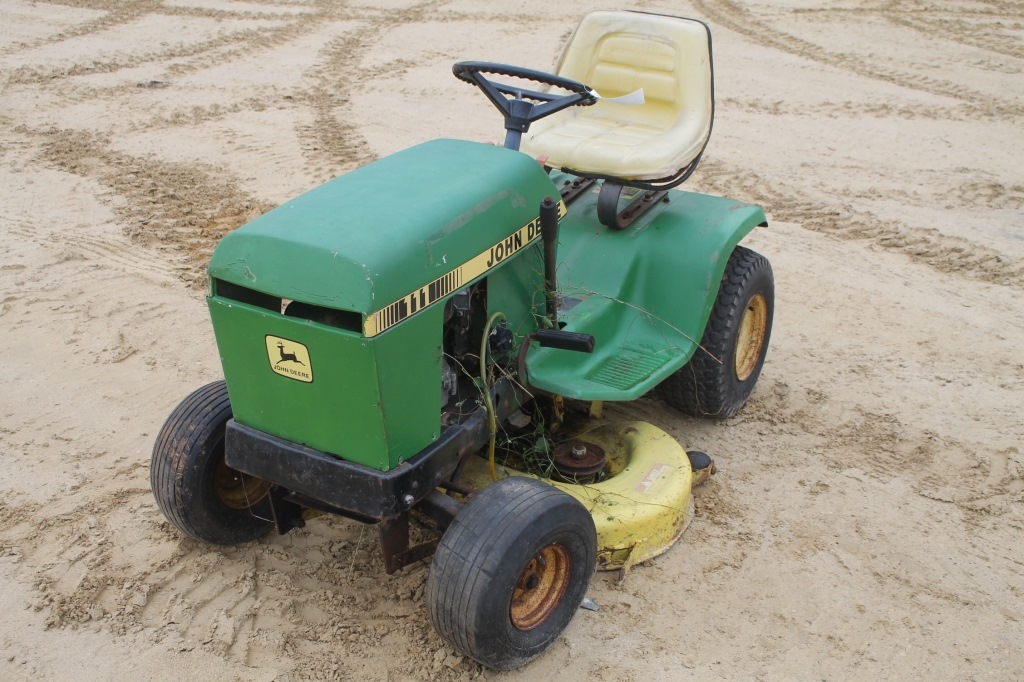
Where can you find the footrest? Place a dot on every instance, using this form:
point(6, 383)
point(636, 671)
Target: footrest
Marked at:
point(611, 373)
point(626, 369)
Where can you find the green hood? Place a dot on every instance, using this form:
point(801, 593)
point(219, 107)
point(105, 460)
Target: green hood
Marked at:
point(365, 239)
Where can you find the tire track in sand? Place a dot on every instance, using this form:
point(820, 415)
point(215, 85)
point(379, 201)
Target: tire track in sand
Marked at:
point(946, 253)
point(185, 206)
point(951, 25)
point(849, 109)
point(313, 603)
point(727, 13)
point(334, 140)
point(39, 75)
point(117, 14)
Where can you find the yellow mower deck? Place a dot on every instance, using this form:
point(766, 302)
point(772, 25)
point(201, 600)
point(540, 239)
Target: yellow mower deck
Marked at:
point(642, 507)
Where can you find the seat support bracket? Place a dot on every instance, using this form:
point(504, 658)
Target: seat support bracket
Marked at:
point(608, 205)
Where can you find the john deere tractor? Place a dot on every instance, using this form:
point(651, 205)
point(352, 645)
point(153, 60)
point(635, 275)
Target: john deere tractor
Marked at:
point(431, 338)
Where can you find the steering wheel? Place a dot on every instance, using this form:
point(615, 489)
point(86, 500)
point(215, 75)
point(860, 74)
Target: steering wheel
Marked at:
point(522, 107)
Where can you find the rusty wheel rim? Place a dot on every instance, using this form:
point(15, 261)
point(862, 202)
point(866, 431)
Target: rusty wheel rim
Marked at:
point(750, 338)
point(540, 587)
point(238, 490)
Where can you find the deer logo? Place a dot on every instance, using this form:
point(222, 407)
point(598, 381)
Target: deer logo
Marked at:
point(287, 357)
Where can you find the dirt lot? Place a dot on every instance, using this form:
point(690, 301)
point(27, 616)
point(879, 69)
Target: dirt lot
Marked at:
point(866, 521)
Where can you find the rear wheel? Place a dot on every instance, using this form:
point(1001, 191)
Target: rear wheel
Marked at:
point(197, 492)
point(511, 571)
point(722, 373)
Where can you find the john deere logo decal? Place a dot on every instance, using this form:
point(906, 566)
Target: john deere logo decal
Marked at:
point(431, 293)
point(289, 359)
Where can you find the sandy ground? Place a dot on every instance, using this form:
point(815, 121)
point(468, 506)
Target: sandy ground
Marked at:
point(867, 518)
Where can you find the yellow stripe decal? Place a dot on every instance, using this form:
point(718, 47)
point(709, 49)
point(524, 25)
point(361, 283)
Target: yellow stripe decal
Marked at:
point(431, 293)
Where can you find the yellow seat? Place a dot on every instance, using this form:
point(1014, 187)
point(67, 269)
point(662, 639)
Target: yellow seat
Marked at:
point(616, 53)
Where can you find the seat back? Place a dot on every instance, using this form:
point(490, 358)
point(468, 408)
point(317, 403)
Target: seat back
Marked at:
point(616, 53)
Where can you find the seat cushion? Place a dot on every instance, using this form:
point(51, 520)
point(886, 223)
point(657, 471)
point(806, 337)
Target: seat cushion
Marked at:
point(617, 53)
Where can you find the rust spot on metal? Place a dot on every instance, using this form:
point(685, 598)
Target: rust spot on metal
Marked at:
point(572, 189)
point(540, 587)
point(394, 544)
point(702, 466)
point(237, 490)
point(579, 461)
point(750, 338)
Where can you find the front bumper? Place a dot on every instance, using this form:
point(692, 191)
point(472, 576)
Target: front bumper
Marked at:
point(357, 489)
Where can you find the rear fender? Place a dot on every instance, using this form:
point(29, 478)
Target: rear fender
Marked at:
point(699, 270)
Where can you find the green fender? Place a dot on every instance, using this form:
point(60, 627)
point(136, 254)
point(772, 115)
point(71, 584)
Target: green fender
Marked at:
point(644, 293)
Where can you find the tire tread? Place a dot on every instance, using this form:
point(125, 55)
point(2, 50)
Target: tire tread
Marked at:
point(470, 555)
point(178, 455)
point(706, 386)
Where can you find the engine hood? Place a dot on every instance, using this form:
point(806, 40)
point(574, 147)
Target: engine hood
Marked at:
point(372, 236)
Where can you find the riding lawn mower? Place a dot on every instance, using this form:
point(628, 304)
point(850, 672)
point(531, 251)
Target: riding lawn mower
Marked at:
point(430, 340)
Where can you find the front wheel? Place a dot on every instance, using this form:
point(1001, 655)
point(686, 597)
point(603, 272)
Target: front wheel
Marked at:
point(197, 492)
point(511, 571)
point(720, 376)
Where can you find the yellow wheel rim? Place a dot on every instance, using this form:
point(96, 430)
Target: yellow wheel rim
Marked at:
point(750, 339)
point(540, 587)
point(238, 490)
